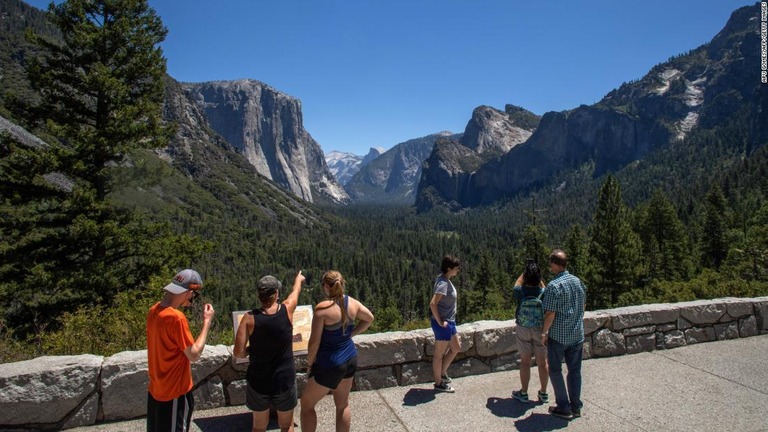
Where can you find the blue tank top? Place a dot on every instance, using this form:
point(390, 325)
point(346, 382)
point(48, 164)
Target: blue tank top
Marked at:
point(336, 346)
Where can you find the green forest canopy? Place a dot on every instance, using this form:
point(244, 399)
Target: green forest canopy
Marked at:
point(689, 222)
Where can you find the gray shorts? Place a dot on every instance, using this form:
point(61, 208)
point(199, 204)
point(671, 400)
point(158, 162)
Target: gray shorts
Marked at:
point(281, 402)
point(529, 341)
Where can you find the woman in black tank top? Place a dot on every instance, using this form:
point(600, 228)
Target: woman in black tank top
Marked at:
point(268, 332)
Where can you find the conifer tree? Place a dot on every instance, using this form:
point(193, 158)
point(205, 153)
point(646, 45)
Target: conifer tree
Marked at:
point(714, 246)
point(491, 298)
point(613, 248)
point(576, 246)
point(665, 245)
point(533, 244)
point(101, 95)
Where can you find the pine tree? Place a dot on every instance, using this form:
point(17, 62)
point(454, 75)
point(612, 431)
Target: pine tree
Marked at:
point(102, 88)
point(533, 244)
point(665, 245)
point(748, 258)
point(613, 248)
point(101, 95)
point(576, 246)
point(486, 282)
point(714, 246)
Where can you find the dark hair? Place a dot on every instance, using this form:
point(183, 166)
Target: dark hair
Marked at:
point(558, 257)
point(449, 262)
point(531, 274)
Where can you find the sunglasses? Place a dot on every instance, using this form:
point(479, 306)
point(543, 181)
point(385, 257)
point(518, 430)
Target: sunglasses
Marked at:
point(195, 295)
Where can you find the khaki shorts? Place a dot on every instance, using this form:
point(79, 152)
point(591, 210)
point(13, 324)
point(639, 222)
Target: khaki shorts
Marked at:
point(529, 341)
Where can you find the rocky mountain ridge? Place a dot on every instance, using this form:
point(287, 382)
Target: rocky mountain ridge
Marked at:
point(704, 88)
point(447, 172)
point(392, 178)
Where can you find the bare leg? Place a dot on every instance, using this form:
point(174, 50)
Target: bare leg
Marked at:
point(437, 360)
point(525, 371)
point(312, 394)
point(260, 420)
point(541, 362)
point(285, 420)
point(341, 400)
point(451, 354)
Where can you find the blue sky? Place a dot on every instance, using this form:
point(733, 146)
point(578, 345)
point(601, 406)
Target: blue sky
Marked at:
point(374, 73)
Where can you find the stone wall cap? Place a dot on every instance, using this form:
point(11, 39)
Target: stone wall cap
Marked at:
point(494, 325)
point(628, 310)
point(43, 364)
point(392, 335)
point(597, 314)
point(126, 357)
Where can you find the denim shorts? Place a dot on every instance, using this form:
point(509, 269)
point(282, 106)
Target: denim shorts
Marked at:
point(285, 401)
point(331, 377)
point(443, 334)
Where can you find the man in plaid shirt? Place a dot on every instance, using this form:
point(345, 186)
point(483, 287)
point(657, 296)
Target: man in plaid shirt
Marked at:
point(563, 334)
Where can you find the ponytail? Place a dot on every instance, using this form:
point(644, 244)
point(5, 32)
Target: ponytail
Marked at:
point(336, 283)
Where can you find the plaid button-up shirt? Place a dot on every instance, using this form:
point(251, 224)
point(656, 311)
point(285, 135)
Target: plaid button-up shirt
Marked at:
point(565, 295)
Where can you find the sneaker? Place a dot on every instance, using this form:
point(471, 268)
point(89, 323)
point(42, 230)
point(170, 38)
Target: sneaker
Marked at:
point(543, 397)
point(576, 413)
point(446, 378)
point(444, 387)
point(562, 414)
point(521, 396)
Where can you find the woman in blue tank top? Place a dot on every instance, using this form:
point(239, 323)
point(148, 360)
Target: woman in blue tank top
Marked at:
point(332, 356)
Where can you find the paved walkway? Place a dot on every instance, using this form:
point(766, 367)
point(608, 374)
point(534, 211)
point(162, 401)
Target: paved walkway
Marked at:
point(719, 386)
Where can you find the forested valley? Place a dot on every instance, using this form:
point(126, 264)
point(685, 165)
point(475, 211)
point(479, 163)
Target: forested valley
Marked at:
point(82, 260)
point(707, 240)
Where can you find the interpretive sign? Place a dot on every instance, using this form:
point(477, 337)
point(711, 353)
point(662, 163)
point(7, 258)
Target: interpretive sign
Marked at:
point(302, 325)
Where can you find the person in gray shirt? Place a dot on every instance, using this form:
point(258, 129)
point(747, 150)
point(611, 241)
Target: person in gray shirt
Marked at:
point(443, 321)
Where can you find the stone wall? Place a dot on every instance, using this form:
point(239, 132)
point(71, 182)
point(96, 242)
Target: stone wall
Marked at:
point(70, 391)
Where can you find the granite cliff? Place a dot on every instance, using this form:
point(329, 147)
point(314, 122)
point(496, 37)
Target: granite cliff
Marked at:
point(447, 173)
point(266, 126)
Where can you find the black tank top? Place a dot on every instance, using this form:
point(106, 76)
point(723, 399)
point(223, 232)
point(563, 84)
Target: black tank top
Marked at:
point(270, 351)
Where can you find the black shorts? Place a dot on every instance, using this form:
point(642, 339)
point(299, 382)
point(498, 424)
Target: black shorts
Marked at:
point(285, 401)
point(331, 377)
point(169, 416)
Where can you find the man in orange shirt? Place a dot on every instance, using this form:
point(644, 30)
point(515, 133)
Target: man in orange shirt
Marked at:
point(170, 350)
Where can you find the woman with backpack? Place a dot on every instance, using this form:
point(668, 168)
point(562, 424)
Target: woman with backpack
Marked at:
point(528, 291)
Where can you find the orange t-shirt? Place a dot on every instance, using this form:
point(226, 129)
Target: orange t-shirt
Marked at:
point(168, 335)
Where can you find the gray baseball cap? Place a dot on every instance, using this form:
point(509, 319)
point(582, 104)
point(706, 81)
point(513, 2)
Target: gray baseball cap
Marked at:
point(268, 285)
point(184, 281)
